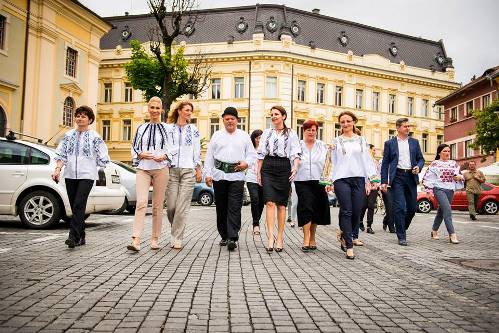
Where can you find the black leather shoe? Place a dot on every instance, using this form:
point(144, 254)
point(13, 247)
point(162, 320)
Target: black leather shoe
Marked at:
point(473, 217)
point(231, 245)
point(305, 249)
point(312, 247)
point(278, 249)
point(70, 243)
point(269, 249)
point(392, 230)
point(370, 230)
point(402, 242)
point(223, 242)
point(384, 227)
point(361, 227)
point(81, 242)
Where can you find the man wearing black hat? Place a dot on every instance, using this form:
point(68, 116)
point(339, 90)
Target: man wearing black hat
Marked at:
point(229, 152)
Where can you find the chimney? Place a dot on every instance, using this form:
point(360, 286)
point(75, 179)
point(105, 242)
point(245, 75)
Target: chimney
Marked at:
point(316, 11)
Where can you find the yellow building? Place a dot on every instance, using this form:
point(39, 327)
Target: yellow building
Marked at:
point(313, 65)
point(43, 80)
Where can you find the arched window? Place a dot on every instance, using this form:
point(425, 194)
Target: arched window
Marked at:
point(67, 114)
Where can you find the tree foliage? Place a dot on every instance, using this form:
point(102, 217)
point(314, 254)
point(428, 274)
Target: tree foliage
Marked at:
point(487, 127)
point(165, 71)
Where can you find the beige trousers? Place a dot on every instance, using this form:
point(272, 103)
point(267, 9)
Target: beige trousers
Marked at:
point(159, 180)
point(178, 201)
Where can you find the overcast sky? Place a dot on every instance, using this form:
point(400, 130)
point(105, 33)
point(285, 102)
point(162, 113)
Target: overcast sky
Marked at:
point(469, 28)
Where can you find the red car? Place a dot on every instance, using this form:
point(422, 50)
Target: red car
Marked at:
point(488, 202)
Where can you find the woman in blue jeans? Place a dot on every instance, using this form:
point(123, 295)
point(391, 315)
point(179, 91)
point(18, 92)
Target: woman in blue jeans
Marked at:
point(444, 177)
point(352, 174)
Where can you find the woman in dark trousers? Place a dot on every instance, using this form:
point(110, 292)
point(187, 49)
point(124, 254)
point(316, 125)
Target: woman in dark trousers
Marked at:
point(81, 152)
point(255, 190)
point(352, 174)
point(313, 203)
point(279, 149)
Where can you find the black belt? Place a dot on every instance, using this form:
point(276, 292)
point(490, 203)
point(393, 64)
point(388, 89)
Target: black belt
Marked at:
point(404, 171)
point(225, 166)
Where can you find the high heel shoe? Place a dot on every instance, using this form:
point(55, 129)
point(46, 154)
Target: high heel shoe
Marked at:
point(269, 249)
point(453, 239)
point(154, 244)
point(279, 249)
point(349, 254)
point(135, 246)
point(434, 234)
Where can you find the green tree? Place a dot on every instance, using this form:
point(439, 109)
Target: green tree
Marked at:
point(165, 72)
point(487, 128)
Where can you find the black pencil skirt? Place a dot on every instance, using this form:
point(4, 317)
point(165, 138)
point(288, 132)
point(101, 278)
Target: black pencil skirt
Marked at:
point(275, 179)
point(313, 203)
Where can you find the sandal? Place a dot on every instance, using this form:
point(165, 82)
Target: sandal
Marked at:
point(256, 230)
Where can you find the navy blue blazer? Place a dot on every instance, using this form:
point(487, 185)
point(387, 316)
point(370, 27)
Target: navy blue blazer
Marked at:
point(391, 159)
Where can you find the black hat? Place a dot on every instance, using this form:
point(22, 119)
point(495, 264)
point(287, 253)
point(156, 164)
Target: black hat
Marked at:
point(231, 111)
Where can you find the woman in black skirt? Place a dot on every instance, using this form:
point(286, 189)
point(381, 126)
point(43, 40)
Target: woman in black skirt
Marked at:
point(313, 203)
point(279, 148)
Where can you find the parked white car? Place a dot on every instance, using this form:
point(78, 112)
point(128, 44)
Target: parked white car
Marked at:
point(128, 180)
point(27, 188)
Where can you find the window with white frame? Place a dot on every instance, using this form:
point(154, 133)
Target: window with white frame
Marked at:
point(337, 130)
point(391, 134)
point(440, 112)
point(71, 62)
point(239, 87)
point(391, 103)
point(271, 87)
point(127, 129)
point(358, 98)
point(128, 92)
point(453, 151)
point(338, 96)
point(320, 93)
point(320, 131)
point(453, 114)
point(468, 149)
point(216, 89)
point(424, 139)
point(3, 28)
point(106, 130)
point(425, 108)
point(68, 110)
point(410, 106)
point(301, 90)
point(214, 125)
point(485, 101)
point(299, 128)
point(469, 108)
point(242, 123)
point(108, 92)
point(440, 139)
point(376, 101)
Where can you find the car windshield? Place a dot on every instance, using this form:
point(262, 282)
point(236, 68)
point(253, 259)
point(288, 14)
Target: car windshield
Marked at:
point(125, 166)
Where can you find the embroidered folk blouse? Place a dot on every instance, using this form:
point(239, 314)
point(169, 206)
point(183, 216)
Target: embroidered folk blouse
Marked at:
point(312, 161)
point(82, 153)
point(151, 138)
point(351, 159)
point(185, 146)
point(230, 148)
point(284, 144)
point(441, 174)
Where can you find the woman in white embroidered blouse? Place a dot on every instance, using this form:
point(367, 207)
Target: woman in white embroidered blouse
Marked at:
point(185, 146)
point(82, 152)
point(279, 147)
point(150, 155)
point(352, 174)
point(444, 177)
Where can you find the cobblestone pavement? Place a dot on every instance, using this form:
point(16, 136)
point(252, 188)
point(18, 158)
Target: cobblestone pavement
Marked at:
point(388, 288)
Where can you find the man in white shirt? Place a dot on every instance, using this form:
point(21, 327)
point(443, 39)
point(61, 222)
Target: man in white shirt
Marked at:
point(229, 152)
point(402, 161)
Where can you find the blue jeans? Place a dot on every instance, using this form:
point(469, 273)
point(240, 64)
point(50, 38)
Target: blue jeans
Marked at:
point(444, 211)
point(350, 193)
point(404, 195)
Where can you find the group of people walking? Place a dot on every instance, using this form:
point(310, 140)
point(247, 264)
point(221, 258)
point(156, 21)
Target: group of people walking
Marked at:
point(168, 157)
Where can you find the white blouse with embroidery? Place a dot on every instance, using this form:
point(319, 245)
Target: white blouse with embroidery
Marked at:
point(284, 144)
point(441, 174)
point(312, 161)
point(351, 158)
point(83, 153)
point(185, 146)
point(151, 138)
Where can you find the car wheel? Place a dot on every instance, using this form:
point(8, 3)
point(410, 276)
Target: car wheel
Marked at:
point(205, 199)
point(39, 210)
point(490, 207)
point(424, 206)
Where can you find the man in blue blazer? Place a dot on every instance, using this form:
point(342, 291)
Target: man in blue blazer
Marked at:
point(402, 162)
